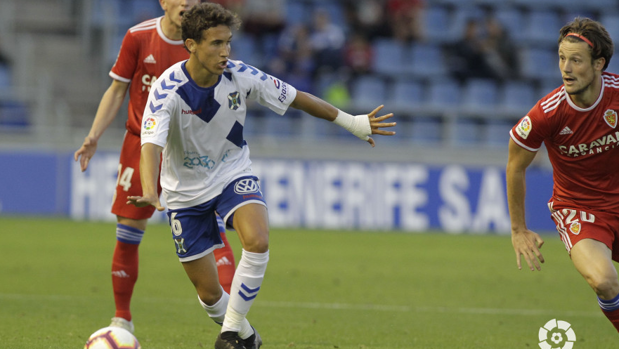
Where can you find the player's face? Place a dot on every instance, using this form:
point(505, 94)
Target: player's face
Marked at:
point(578, 70)
point(213, 51)
point(174, 9)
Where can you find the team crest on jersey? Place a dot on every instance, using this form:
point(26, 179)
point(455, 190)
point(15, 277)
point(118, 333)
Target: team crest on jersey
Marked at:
point(234, 102)
point(524, 128)
point(610, 116)
point(575, 228)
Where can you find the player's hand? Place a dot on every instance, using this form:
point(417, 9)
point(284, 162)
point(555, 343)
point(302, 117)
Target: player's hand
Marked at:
point(376, 123)
point(527, 244)
point(143, 201)
point(86, 152)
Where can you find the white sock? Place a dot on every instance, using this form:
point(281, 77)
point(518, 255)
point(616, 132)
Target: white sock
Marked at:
point(217, 311)
point(245, 286)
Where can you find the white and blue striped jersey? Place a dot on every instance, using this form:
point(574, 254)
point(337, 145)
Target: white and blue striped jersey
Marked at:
point(201, 129)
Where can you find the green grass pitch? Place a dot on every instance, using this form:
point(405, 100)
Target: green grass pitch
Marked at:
point(323, 289)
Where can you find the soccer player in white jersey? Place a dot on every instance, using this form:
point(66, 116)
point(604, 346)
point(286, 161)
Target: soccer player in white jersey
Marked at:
point(195, 115)
point(148, 49)
point(578, 124)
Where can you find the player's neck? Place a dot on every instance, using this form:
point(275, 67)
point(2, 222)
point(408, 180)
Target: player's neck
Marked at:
point(200, 75)
point(587, 98)
point(170, 30)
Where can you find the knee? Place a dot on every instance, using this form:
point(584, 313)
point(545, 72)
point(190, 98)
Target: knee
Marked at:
point(606, 287)
point(209, 297)
point(258, 243)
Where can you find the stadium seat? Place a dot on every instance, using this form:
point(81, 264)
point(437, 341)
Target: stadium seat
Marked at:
point(406, 95)
point(613, 65)
point(368, 92)
point(466, 131)
point(437, 25)
point(142, 10)
point(479, 94)
point(542, 28)
point(426, 61)
point(461, 15)
point(424, 130)
point(5, 77)
point(297, 12)
point(549, 85)
point(517, 97)
point(611, 23)
point(512, 20)
point(538, 63)
point(389, 57)
point(496, 132)
point(243, 48)
point(14, 114)
point(443, 94)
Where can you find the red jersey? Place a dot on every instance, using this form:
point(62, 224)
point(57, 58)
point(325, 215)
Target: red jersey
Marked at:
point(582, 144)
point(145, 54)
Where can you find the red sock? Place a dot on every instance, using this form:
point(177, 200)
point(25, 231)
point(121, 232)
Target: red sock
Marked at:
point(613, 316)
point(225, 263)
point(124, 276)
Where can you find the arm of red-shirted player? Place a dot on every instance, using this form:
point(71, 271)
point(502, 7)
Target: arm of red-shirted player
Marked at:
point(108, 109)
point(361, 126)
point(526, 242)
point(149, 174)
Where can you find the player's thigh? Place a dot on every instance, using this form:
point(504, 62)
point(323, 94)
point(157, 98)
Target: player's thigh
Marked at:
point(593, 260)
point(243, 207)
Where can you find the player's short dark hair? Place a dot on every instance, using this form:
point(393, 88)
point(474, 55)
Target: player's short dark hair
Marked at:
point(206, 15)
point(600, 43)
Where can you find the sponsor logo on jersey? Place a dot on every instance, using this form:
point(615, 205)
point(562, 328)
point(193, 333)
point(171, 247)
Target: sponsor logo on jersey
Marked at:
point(566, 131)
point(284, 94)
point(193, 159)
point(575, 228)
point(524, 128)
point(234, 100)
point(150, 59)
point(599, 145)
point(147, 81)
point(192, 112)
point(246, 186)
point(610, 116)
point(277, 83)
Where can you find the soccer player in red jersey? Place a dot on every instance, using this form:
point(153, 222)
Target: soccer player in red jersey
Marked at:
point(577, 122)
point(148, 49)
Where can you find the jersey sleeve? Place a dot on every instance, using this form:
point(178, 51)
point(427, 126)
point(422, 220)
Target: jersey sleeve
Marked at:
point(531, 130)
point(155, 124)
point(127, 60)
point(272, 92)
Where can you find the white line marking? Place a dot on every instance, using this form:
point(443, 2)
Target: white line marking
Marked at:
point(334, 306)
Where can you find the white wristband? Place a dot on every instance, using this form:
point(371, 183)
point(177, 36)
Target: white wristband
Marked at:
point(359, 125)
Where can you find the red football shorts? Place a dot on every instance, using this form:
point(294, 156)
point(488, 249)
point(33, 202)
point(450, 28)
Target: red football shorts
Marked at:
point(128, 181)
point(574, 224)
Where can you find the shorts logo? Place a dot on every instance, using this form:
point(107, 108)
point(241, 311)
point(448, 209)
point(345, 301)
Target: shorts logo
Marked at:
point(180, 246)
point(575, 228)
point(524, 128)
point(234, 102)
point(610, 116)
point(150, 123)
point(246, 186)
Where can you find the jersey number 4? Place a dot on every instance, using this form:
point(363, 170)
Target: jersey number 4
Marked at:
point(124, 177)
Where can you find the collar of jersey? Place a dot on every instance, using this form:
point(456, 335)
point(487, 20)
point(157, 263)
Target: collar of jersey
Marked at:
point(193, 83)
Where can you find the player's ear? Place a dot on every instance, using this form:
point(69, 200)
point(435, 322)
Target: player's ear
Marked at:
point(191, 45)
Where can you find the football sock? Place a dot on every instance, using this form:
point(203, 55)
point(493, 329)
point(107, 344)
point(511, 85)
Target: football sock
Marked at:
point(245, 286)
point(217, 312)
point(125, 267)
point(225, 263)
point(610, 308)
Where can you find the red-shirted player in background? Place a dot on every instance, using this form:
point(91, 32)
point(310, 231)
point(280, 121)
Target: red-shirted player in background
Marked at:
point(148, 49)
point(578, 124)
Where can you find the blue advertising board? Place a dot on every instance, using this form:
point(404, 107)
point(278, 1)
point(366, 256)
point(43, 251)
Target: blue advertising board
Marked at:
point(313, 194)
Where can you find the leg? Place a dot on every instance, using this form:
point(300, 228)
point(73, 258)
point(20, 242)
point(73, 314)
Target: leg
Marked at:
point(203, 274)
point(129, 233)
point(224, 257)
point(593, 260)
point(251, 223)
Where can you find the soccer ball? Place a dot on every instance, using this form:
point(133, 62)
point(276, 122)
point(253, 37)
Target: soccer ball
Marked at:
point(112, 338)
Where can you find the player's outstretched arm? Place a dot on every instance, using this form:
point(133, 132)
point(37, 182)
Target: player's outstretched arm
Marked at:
point(149, 173)
point(361, 126)
point(108, 109)
point(526, 242)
